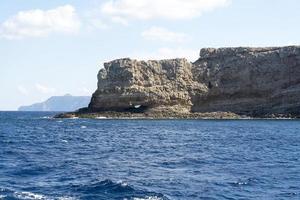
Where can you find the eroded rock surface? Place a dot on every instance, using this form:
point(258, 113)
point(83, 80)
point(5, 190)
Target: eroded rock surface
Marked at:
point(250, 81)
point(126, 84)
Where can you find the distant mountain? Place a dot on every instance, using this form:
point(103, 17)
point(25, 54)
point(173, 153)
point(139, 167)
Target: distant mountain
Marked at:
point(59, 103)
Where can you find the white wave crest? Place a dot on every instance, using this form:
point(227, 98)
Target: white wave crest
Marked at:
point(66, 198)
point(122, 183)
point(46, 117)
point(2, 196)
point(33, 196)
point(100, 117)
point(148, 198)
point(29, 195)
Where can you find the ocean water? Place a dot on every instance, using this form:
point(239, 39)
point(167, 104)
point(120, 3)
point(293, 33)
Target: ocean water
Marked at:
point(44, 158)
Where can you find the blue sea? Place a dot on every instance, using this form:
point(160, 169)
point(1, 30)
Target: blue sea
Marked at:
point(65, 159)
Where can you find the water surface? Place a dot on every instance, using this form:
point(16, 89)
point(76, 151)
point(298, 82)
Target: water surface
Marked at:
point(44, 158)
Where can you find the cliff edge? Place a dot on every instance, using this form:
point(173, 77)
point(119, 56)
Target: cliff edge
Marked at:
point(257, 82)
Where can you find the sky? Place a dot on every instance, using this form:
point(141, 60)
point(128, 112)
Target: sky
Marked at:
point(50, 48)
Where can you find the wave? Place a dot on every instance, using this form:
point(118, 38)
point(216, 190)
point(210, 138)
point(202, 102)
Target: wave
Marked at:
point(245, 182)
point(29, 195)
point(7, 194)
point(148, 198)
point(46, 117)
point(100, 117)
point(106, 189)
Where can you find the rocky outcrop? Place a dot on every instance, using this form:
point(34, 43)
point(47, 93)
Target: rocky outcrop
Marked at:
point(251, 81)
point(127, 84)
point(248, 81)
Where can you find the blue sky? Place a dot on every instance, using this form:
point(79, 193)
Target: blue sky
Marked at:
point(56, 47)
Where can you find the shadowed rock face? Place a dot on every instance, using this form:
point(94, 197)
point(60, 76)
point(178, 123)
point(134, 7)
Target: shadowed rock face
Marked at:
point(252, 81)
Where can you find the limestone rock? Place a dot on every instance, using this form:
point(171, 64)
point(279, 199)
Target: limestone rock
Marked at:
point(248, 81)
point(252, 81)
point(124, 84)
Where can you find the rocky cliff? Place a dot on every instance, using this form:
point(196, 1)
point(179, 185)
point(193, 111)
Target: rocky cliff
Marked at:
point(249, 81)
point(131, 85)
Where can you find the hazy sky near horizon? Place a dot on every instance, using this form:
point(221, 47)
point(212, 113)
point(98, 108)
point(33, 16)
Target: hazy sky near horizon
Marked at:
point(56, 47)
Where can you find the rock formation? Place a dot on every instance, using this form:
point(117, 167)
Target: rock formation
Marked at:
point(249, 81)
point(127, 84)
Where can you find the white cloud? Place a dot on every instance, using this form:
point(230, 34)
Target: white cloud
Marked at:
point(95, 23)
point(119, 20)
point(162, 34)
point(44, 89)
point(39, 23)
point(93, 20)
point(168, 53)
point(22, 90)
point(160, 9)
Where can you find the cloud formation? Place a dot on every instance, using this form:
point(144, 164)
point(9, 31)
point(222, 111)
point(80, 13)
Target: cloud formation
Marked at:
point(39, 23)
point(160, 9)
point(164, 35)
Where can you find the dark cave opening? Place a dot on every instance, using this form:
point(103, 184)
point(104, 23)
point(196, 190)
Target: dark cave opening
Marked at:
point(137, 109)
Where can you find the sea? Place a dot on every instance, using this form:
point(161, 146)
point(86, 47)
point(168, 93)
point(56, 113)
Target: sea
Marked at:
point(68, 159)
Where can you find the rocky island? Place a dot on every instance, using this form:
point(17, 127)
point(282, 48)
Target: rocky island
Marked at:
point(64, 103)
point(222, 83)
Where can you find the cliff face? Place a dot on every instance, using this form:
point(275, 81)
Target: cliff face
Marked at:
point(126, 84)
point(251, 81)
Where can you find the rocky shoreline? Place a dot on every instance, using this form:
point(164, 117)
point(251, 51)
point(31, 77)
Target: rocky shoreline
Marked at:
point(159, 115)
point(166, 115)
